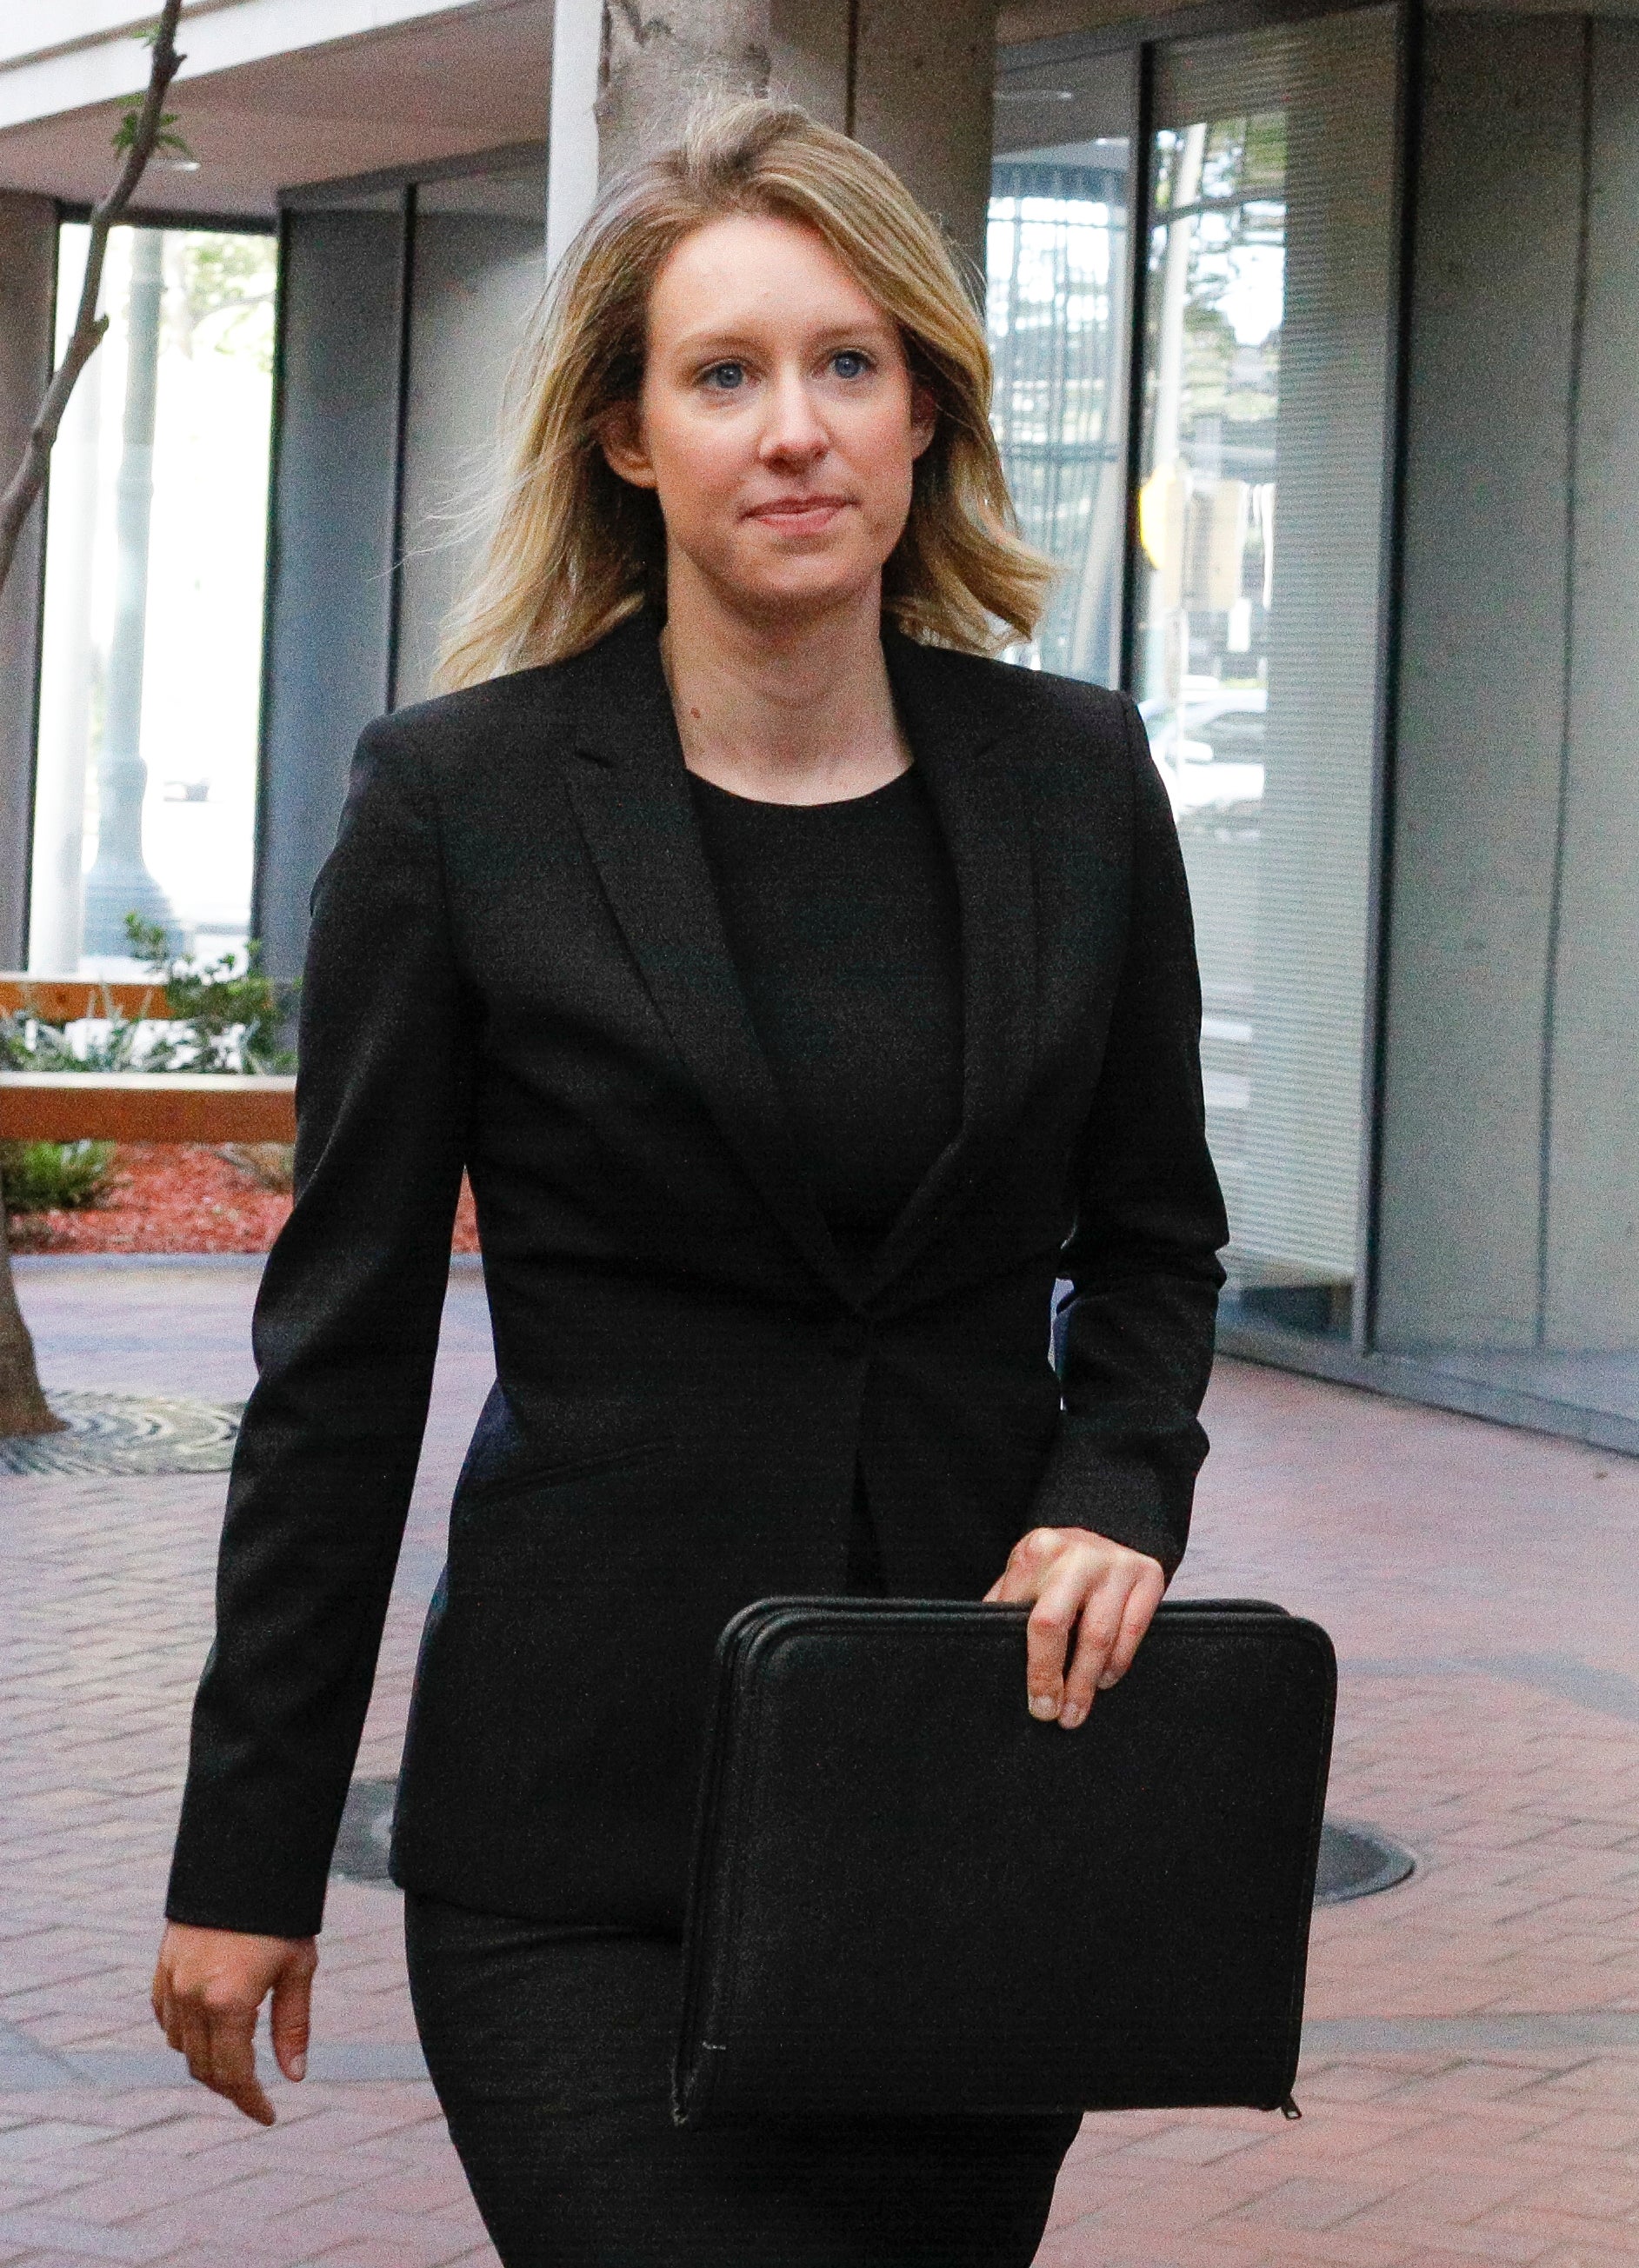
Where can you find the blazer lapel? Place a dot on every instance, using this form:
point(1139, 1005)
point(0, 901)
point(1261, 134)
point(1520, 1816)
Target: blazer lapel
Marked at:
point(961, 748)
point(630, 792)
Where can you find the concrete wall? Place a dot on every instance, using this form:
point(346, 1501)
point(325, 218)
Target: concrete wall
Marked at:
point(1590, 1291)
point(1510, 1147)
point(922, 79)
point(330, 571)
point(913, 84)
point(28, 245)
point(476, 276)
point(809, 55)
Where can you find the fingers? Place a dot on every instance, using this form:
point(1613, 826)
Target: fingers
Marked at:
point(1145, 1596)
point(207, 1989)
point(292, 1997)
point(215, 2032)
point(230, 2062)
point(220, 2049)
point(1095, 1640)
point(1113, 1621)
point(1047, 1638)
point(1091, 1601)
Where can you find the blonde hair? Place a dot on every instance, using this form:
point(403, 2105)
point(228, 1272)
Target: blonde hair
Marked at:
point(574, 549)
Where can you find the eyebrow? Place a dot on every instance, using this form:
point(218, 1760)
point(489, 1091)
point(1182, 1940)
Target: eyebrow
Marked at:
point(696, 343)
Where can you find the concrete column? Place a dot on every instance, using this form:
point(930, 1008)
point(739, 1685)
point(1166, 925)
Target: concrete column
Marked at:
point(571, 157)
point(914, 84)
point(477, 274)
point(28, 244)
point(1483, 709)
point(922, 99)
point(809, 58)
point(1591, 1248)
point(330, 568)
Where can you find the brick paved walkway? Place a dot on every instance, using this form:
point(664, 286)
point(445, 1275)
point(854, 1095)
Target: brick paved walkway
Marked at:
point(1471, 2076)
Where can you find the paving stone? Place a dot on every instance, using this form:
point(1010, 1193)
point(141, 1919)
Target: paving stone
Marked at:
point(1482, 1587)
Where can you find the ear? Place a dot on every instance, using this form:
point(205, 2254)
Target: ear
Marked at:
point(620, 436)
point(924, 415)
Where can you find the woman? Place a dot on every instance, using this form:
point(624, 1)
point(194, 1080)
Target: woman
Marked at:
point(803, 992)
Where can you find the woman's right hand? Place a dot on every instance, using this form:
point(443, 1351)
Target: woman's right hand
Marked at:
point(207, 1987)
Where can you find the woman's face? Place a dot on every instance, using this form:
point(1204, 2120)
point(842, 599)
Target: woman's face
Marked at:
point(778, 422)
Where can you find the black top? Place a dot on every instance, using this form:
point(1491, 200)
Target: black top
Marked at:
point(843, 922)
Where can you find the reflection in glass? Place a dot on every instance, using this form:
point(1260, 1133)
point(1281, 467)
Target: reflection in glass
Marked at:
point(1266, 315)
point(155, 542)
point(1206, 520)
point(1205, 510)
point(1056, 273)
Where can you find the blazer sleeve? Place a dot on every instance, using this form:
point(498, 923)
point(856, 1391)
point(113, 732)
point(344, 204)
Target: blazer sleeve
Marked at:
point(345, 1333)
point(1134, 1335)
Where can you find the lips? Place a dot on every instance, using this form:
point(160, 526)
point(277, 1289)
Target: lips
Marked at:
point(798, 515)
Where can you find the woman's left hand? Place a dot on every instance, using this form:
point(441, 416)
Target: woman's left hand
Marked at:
point(1082, 1587)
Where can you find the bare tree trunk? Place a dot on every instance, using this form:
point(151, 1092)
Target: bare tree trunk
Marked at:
point(659, 60)
point(23, 1407)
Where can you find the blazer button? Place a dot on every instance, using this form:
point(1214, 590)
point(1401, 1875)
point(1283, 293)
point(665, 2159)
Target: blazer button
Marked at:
point(849, 1336)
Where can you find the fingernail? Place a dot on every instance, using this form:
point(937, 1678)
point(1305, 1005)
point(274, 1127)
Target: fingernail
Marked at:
point(1108, 1679)
point(1043, 1705)
point(1070, 1716)
point(299, 2066)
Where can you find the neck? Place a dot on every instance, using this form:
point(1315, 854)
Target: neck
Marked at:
point(784, 708)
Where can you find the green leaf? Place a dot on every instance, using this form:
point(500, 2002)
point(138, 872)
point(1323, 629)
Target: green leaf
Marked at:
point(174, 146)
point(54, 1176)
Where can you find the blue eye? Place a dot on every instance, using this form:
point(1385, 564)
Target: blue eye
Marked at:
point(725, 376)
point(851, 363)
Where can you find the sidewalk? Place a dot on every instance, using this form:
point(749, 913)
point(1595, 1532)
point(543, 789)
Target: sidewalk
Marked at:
point(1471, 2078)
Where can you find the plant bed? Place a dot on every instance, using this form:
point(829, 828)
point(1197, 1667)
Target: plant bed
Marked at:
point(180, 1196)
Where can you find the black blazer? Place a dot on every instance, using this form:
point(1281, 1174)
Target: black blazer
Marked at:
point(516, 964)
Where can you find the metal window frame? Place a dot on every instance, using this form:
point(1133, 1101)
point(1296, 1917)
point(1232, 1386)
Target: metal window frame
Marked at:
point(69, 213)
point(175, 217)
point(34, 640)
point(397, 190)
point(1144, 40)
point(504, 157)
point(269, 574)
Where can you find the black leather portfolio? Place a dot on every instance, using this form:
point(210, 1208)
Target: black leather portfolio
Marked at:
point(911, 1898)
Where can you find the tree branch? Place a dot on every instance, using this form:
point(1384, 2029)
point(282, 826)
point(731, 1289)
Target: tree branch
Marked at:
point(146, 129)
point(23, 1408)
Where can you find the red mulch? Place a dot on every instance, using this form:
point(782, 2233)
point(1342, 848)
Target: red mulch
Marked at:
point(180, 1196)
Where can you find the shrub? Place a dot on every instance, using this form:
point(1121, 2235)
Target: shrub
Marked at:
point(225, 1016)
point(54, 1176)
point(221, 1016)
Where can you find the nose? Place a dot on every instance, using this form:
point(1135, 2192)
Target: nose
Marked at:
point(792, 432)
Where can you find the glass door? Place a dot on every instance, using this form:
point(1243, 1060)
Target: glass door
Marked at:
point(156, 539)
point(1257, 649)
point(1058, 313)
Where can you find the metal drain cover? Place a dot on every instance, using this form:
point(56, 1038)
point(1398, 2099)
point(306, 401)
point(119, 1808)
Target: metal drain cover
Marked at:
point(1357, 1861)
point(131, 1434)
point(366, 1828)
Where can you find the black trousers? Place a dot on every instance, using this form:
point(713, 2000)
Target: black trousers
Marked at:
point(551, 2056)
